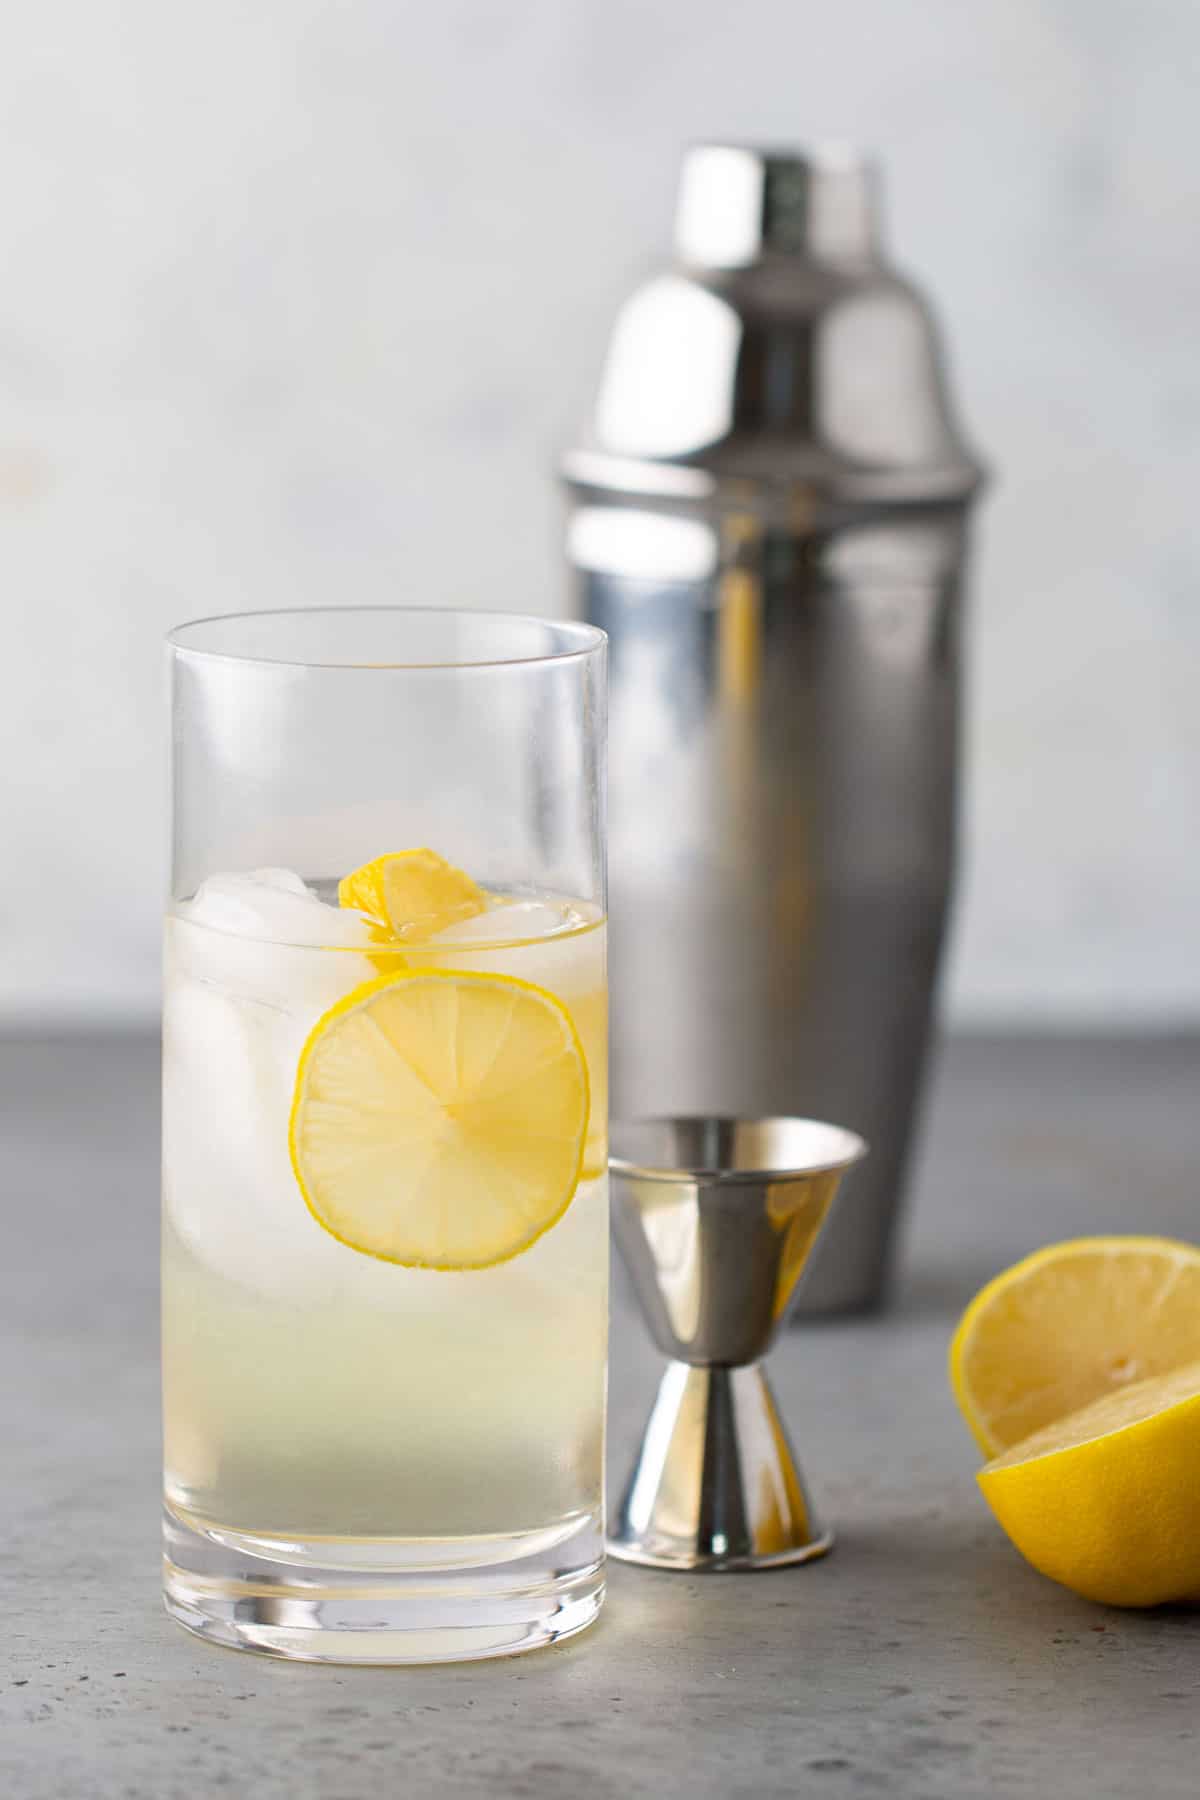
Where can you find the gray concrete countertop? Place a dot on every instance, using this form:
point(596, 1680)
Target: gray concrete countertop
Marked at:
point(922, 1659)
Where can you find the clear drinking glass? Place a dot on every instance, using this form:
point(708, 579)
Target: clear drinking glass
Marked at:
point(385, 1209)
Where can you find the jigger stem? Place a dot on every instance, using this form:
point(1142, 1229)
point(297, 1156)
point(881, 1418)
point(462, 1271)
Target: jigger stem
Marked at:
point(716, 1485)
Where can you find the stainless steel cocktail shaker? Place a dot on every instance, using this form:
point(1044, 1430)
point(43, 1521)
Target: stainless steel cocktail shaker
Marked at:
point(769, 518)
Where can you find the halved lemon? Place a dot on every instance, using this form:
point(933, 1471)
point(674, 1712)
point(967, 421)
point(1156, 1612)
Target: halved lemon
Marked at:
point(439, 1118)
point(415, 893)
point(1107, 1500)
point(1070, 1324)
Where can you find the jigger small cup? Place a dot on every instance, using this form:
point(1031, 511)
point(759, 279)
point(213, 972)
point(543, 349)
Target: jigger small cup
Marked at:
point(716, 1220)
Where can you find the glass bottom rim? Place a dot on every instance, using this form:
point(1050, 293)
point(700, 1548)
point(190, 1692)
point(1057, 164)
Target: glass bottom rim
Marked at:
point(242, 1599)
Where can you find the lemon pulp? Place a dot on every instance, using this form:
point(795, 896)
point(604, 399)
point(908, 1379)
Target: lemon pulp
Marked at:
point(439, 1118)
point(1070, 1324)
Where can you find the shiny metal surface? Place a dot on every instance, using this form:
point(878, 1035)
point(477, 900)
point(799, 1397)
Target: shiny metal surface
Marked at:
point(716, 1485)
point(768, 518)
point(716, 1219)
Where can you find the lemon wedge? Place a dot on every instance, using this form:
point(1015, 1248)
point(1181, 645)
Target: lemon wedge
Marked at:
point(415, 893)
point(1067, 1326)
point(439, 1118)
point(1107, 1500)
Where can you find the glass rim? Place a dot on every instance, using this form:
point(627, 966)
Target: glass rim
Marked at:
point(588, 639)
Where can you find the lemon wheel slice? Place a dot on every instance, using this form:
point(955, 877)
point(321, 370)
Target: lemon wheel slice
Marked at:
point(1070, 1324)
point(415, 893)
point(439, 1118)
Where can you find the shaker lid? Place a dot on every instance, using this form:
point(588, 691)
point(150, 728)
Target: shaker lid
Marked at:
point(736, 204)
point(779, 356)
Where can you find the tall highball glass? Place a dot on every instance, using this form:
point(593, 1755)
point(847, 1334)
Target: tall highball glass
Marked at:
point(385, 1232)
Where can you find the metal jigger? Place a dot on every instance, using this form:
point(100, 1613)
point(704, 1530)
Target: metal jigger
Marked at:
point(716, 1220)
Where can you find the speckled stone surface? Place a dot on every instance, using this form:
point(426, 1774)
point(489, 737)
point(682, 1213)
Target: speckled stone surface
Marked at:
point(922, 1659)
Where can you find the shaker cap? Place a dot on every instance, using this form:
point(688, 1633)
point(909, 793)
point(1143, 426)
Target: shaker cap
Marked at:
point(737, 204)
point(778, 360)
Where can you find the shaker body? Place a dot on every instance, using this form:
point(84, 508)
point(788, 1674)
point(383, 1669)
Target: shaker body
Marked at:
point(782, 807)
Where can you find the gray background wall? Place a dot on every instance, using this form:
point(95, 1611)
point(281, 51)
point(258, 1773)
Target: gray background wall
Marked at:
point(289, 291)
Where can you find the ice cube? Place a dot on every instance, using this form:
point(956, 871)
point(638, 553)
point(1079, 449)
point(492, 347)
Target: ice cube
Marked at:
point(228, 1188)
point(266, 937)
point(236, 1014)
point(512, 922)
point(540, 941)
point(251, 963)
point(230, 1193)
point(276, 905)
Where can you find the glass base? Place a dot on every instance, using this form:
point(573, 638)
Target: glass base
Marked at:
point(389, 1600)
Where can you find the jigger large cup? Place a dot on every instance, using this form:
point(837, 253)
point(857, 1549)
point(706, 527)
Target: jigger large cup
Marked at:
point(716, 1220)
